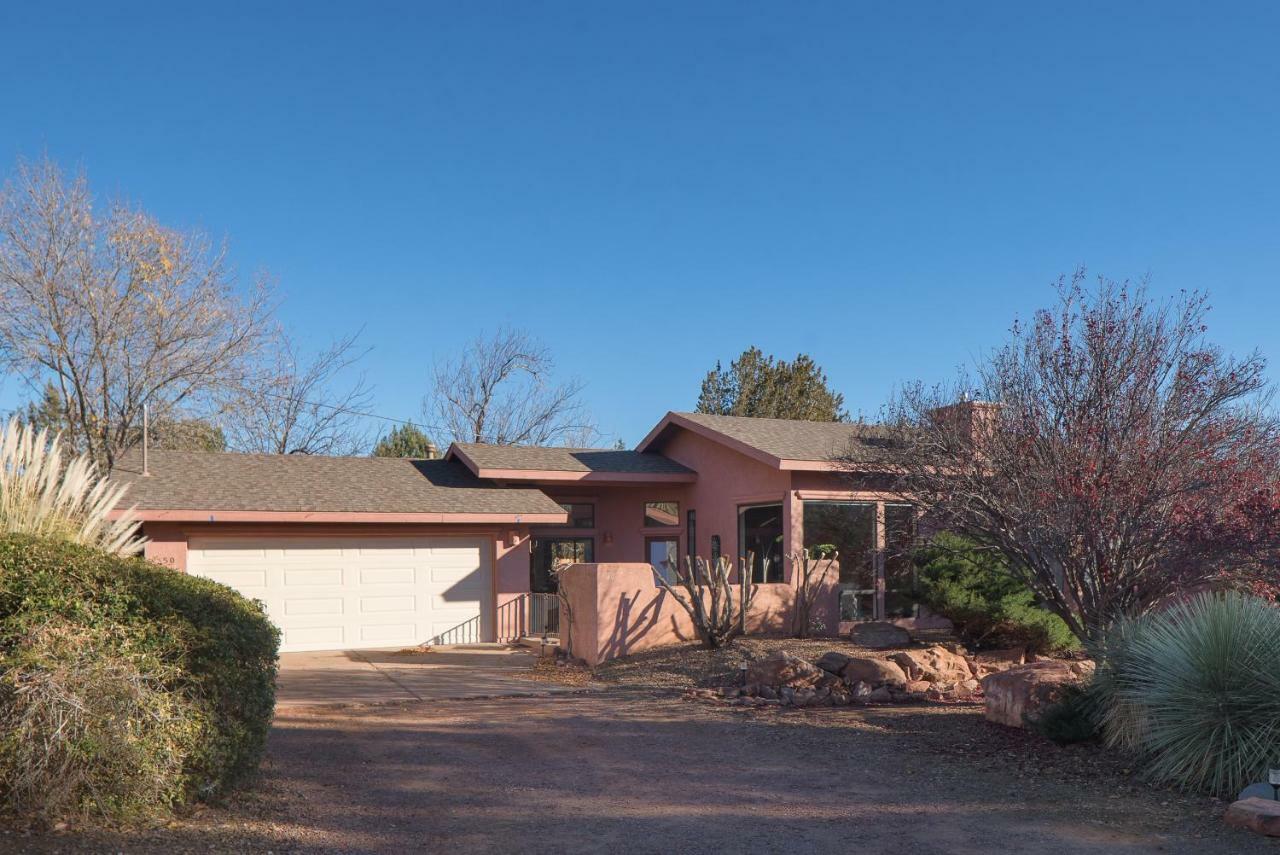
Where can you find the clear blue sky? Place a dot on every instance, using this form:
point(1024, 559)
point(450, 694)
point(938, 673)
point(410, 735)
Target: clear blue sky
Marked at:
point(652, 186)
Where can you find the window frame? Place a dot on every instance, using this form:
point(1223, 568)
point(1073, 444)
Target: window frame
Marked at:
point(570, 503)
point(645, 524)
point(780, 504)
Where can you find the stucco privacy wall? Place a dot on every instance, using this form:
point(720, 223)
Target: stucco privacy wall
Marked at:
point(617, 610)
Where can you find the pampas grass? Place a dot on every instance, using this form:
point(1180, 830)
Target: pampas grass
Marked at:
point(48, 493)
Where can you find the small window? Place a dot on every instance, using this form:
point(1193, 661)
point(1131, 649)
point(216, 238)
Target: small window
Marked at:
point(690, 536)
point(664, 555)
point(715, 549)
point(581, 514)
point(661, 514)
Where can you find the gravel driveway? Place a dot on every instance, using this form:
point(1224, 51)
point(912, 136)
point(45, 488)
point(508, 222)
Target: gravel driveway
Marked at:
point(621, 771)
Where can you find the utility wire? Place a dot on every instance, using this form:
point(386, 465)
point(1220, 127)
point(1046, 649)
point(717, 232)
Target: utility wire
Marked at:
point(363, 414)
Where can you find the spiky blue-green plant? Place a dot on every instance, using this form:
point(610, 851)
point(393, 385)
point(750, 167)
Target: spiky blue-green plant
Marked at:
point(1195, 690)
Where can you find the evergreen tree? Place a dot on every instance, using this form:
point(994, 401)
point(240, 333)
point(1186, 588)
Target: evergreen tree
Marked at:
point(406, 441)
point(764, 387)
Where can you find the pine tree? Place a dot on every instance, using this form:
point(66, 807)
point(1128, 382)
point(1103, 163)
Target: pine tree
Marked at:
point(406, 441)
point(764, 387)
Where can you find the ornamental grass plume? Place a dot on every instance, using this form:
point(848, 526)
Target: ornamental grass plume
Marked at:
point(48, 493)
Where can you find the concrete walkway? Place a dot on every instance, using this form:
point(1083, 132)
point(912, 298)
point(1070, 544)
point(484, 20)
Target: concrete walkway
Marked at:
point(386, 676)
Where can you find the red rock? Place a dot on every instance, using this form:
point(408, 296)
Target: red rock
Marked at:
point(1261, 816)
point(934, 664)
point(876, 672)
point(1016, 697)
point(783, 669)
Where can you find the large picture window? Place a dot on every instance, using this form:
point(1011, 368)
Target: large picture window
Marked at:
point(850, 529)
point(899, 568)
point(760, 537)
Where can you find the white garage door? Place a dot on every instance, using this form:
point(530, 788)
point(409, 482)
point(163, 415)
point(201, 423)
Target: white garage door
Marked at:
point(346, 593)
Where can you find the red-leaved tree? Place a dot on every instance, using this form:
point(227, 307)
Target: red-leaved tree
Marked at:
point(1113, 454)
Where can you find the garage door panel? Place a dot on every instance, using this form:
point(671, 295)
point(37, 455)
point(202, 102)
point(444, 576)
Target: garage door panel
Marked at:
point(329, 593)
point(387, 575)
point(313, 606)
point(313, 637)
point(309, 552)
point(313, 578)
point(372, 605)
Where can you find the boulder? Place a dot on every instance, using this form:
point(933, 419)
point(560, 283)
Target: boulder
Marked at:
point(1006, 657)
point(876, 672)
point(934, 664)
point(881, 695)
point(1261, 816)
point(834, 661)
point(782, 669)
point(1017, 696)
point(879, 635)
point(918, 687)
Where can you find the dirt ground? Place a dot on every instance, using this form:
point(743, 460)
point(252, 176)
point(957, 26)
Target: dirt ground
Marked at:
point(630, 771)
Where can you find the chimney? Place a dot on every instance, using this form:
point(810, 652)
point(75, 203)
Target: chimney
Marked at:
point(970, 419)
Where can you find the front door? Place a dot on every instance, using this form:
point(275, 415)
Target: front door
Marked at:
point(552, 553)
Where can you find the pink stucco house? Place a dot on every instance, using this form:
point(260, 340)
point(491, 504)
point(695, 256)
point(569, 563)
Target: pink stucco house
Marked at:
point(374, 552)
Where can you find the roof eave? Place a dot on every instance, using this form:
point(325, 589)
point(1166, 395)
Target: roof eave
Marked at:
point(560, 475)
point(193, 515)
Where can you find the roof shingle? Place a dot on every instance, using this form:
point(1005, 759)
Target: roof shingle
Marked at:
point(205, 481)
point(790, 439)
point(536, 458)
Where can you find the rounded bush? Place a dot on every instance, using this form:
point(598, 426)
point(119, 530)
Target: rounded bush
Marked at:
point(1195, 690)
point(126, 687)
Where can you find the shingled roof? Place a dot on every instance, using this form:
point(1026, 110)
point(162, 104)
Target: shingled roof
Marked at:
point(587, 461)
point(791, 439)
point(300, 483)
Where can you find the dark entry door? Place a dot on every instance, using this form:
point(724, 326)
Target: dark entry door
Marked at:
point(552, 552)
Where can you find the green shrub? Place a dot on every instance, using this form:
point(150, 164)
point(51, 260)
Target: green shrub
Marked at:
point(972, 587)
point(126, 686)
point(1195, 691)
point(1072, 719)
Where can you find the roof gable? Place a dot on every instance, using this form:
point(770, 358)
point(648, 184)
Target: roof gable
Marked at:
point(785, 443)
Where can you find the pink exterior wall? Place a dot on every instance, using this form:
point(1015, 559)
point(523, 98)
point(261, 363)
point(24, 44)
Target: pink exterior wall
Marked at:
point(617, 610)
point(619, 532)
point(726, 480)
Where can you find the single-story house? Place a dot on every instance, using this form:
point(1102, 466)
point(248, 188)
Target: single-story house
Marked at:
point(372, 552)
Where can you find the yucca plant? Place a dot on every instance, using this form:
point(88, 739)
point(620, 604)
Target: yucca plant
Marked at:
point(1195, 690)
point(48, 493)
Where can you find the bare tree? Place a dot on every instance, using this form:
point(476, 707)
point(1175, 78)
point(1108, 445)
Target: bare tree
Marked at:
point(116, 310)
point(500, 390)
point(1118, 457)
point(300, 406)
